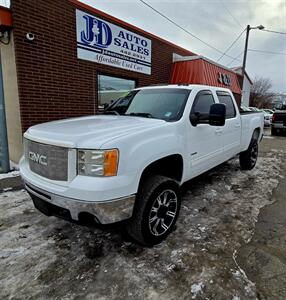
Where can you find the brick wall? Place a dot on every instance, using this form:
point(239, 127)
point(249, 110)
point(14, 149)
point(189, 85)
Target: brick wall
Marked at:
point(53, 82)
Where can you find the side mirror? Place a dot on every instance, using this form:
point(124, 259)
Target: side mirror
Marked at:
point(217, 114)
point(195, 118)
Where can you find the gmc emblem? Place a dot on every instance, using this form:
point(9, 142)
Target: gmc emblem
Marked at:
point(38, 158)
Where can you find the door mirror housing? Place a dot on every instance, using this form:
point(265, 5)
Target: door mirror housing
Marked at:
point(199, 118)
point(217, 114)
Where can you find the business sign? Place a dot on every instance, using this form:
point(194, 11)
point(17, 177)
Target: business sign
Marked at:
point(109, 44)
point(224, 79)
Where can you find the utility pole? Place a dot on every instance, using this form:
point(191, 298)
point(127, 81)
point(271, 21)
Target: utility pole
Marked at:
point(245, 50)
point(248, 28)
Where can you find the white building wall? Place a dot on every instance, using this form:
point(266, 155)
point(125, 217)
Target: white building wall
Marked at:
point(11, 97)
point(245, 92)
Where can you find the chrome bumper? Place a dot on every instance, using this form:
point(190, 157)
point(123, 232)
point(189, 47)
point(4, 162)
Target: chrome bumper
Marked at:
point(104, 212)
point(278, 125)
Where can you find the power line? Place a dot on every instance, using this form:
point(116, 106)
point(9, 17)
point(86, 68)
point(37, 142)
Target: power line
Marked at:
point(228, 11)
point(255, 50)
point(273, 31)
point(235, 58)
point(185, 30)
point(230, 46)
point(267, 52)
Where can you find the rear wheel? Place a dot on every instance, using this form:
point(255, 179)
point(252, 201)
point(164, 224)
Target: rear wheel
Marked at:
point(273, 131)
point(249, 157)
point(156, 210)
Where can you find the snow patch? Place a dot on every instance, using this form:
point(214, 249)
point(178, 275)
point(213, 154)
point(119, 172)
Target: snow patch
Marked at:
point(10, 174)
point(196, 288)
point(250, 284)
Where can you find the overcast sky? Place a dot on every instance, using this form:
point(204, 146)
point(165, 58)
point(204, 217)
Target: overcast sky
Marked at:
point(217, 22)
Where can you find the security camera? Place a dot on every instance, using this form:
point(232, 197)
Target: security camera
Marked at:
point(30, 36)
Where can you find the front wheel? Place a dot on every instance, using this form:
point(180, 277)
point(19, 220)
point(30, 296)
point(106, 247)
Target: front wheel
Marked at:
point(156, 210)
point(249, 157)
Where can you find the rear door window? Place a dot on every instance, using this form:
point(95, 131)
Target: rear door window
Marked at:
point(226, 99)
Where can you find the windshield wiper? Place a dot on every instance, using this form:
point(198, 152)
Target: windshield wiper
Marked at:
point(144, 115)
point(111, 112)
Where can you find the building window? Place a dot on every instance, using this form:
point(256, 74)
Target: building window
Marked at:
point(112, 88)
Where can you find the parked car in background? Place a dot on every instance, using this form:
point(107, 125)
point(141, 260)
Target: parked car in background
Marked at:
point(254, 108)
point(267, 117)
point(244, 108)
point(268, 110)
point(278, 123)
point(130, 163)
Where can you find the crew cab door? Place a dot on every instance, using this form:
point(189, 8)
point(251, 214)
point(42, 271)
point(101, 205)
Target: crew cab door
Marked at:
point(205, 146)
point(232, 129)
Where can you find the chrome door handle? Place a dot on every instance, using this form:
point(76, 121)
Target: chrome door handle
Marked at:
point(237, 125)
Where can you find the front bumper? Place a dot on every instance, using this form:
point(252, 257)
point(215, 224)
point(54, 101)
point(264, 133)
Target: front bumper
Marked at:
point(104, 212)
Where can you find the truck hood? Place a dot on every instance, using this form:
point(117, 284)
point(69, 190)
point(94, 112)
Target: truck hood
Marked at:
point(84, 131)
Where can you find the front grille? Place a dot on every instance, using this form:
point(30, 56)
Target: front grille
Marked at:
point(47, 160)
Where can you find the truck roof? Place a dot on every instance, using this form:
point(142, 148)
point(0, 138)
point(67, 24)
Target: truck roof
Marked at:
point(185, 86)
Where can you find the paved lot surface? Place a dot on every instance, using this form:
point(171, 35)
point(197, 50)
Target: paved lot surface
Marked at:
point(208, 256)
point(264, 258)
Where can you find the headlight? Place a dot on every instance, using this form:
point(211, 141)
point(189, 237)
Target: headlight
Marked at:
point(97, 162)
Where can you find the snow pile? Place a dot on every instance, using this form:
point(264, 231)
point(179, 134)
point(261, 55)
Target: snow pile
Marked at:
point(9, 175)
point(198, 260)
point(196, 289)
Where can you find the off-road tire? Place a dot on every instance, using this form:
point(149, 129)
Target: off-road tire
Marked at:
point(248, 158)
point(138, 226)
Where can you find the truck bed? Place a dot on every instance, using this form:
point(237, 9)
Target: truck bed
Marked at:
point(250, 120)
point(249, 112)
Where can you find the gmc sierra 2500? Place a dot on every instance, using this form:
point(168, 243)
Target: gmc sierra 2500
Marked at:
point(129, 163)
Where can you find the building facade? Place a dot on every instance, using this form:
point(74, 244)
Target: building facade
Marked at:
point(201, 70)
point(64, 59)
point(245, 84)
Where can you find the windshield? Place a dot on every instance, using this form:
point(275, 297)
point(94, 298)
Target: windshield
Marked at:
point(166, 104)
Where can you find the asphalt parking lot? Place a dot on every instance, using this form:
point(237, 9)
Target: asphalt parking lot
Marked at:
point(264, 258)
point(229, 243)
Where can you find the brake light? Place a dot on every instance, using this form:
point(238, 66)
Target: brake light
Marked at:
point(273, 118)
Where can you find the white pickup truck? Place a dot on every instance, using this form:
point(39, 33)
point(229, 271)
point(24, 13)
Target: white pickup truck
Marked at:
point(129, 163)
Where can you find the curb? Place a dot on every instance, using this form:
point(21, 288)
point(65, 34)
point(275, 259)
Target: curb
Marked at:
point(14, 183)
